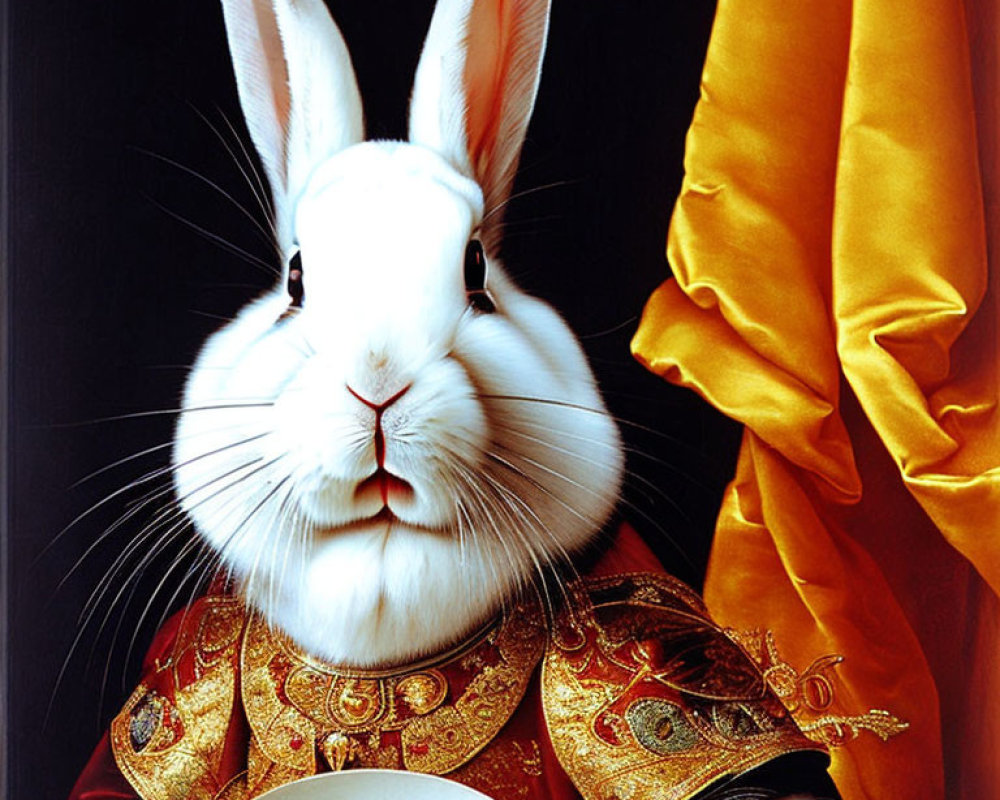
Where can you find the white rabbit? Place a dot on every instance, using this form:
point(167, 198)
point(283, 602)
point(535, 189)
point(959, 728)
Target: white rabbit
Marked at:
point(386, 449)
point(389, 444)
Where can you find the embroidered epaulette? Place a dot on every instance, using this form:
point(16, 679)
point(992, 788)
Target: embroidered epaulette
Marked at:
point(646, 697)
point(169, 738)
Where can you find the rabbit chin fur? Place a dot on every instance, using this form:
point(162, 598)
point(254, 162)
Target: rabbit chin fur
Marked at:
point(502, 456)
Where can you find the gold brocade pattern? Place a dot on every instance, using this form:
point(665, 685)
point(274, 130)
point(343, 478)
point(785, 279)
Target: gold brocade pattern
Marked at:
point(168, 746)
point(641, 689)
point(430, 718)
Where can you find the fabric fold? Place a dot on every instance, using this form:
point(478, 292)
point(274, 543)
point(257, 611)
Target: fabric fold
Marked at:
point(829, 242)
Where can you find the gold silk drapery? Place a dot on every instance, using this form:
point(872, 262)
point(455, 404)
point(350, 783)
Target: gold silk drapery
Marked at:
point(832, 292)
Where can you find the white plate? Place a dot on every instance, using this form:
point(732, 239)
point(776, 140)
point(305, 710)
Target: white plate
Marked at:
point(373, 784)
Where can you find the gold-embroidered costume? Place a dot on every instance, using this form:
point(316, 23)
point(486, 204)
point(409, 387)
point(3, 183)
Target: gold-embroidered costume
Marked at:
point(631, 692)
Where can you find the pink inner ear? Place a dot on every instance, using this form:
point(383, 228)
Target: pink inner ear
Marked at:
point(281, 96)
point(487, 64)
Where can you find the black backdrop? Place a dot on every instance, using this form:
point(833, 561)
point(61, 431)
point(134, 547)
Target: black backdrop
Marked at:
point(111, 293)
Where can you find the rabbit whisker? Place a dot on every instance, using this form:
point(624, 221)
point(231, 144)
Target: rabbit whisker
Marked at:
point(623, 501)
point(563, 557)
point(628, 449)
point(607, 332)
point(498, 509)
point(267, 234)
point(473, 534)
point(495, 457)
point(645, 429)
point(209, 554)
point(220, 241)
point(159, 412)
point(82, 628)
point(262, 194)
point(652, 487)
point(251, 581)
point(164, 514)
point(487, 521)
point(512, 225)
point(153, 475)
point(246, 168)
point(513, 499)
point(157, 448)
point(283, 516)
point(173, 509)
point(209, 315)
point(518, 195)
point(176, 532)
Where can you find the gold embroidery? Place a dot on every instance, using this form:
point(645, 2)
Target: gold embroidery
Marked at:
point(530, 755)
point(642, 689)
point(432, 717)
point(424, 691)
point(836, 731)
point(167, 746)
point(809, 695)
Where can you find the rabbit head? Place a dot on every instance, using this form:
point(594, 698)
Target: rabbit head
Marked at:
point(393, 441)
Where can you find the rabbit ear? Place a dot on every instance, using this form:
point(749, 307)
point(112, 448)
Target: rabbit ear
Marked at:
point(475, 87)
point(297, 90)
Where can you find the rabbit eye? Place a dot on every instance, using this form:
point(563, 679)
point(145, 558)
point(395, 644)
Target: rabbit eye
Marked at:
point(476, 269)
point(295, 288)
point(296, 291)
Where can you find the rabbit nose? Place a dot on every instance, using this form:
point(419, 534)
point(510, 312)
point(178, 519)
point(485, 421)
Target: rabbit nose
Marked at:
point(378, 407)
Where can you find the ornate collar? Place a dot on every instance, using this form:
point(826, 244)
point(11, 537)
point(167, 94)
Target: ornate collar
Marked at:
point(431, 717)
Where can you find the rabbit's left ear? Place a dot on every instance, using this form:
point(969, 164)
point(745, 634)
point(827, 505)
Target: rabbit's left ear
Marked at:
point(297, 90)
point(475, 87)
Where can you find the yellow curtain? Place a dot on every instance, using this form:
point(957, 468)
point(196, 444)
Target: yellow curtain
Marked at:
point(832, 292)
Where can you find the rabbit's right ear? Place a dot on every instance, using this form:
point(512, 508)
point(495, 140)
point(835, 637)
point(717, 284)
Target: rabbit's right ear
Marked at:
point(297, 90)
point(475, 88)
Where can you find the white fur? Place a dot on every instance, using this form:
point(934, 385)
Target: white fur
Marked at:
point(501, 435)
